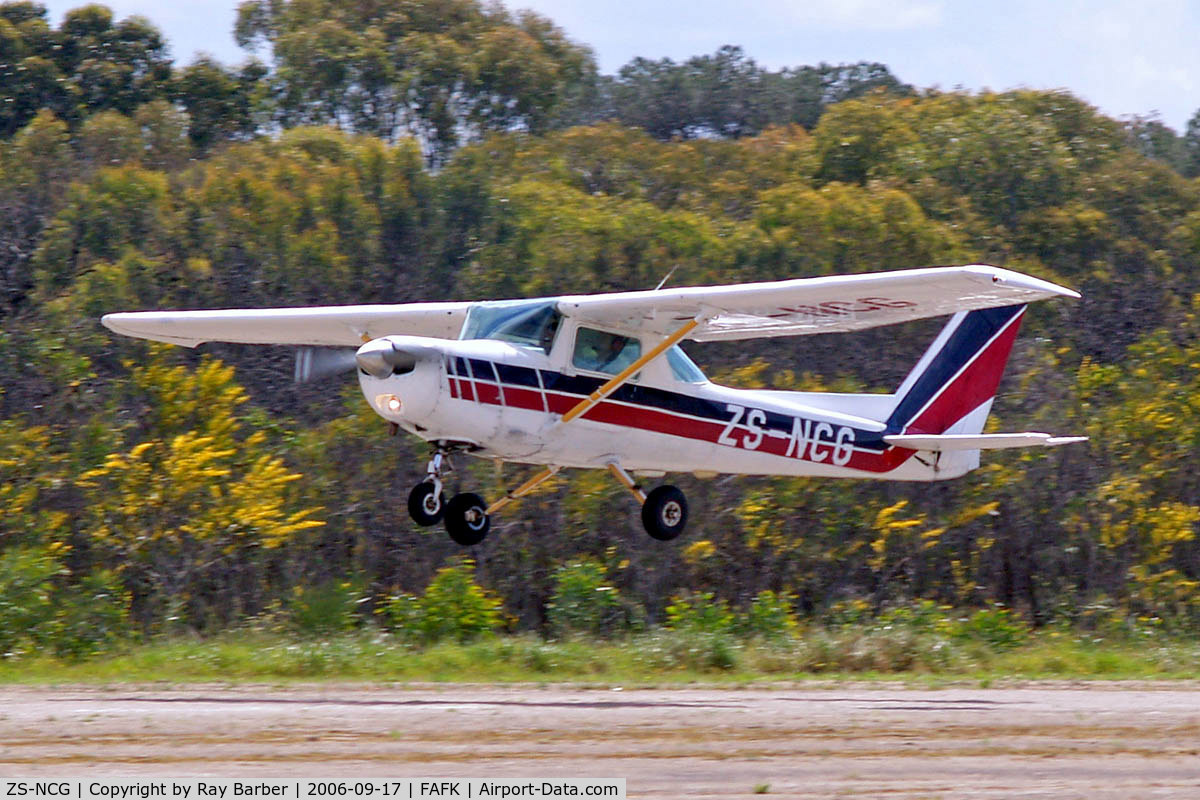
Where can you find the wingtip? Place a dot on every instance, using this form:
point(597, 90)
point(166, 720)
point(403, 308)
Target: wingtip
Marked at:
point(1019, 280)
point(111, 321)
point(1059, 441)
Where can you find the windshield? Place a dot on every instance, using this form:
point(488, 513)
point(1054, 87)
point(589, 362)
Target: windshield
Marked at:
point(522, 322)
point(683, 368)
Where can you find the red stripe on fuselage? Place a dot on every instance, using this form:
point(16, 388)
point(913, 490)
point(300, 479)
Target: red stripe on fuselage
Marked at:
point(654, 420)
point(487, 393)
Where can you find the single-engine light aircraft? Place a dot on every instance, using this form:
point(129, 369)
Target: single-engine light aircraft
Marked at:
point(599, 381)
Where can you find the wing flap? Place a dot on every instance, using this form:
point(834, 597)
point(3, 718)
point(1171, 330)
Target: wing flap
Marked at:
point(951, 442)
point(319, 325)
point(813, 305)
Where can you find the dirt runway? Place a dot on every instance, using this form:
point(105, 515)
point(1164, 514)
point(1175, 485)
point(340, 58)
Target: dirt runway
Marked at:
point(1098, 741)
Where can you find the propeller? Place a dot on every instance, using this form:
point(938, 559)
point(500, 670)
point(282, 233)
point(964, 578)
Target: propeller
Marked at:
point(381, 358)
point(318, 363)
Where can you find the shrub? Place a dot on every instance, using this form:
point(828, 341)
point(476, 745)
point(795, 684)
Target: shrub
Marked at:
point(700, 612)
point(40, 608)
point(93, 621)
point(918, 615)
point(997, 627)
point(329, 607)
point(401, 613)
point(454, 606)
point(769, 616)
point(26, 582)
point(689, 649)
point(584, 601)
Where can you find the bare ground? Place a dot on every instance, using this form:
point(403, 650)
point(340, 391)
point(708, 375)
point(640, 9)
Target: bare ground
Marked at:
point(1094, 741)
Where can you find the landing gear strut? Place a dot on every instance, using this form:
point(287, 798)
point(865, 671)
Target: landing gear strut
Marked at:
point(664, 510)
point(427, 501)
point(465, 515)
point(468, 518)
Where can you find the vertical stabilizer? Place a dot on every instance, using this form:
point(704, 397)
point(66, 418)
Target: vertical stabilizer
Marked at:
point(951, 388)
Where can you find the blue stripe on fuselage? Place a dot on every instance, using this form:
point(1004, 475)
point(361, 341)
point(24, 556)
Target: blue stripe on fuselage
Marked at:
point(650, 397)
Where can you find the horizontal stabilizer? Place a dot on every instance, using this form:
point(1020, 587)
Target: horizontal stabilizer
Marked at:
point(979, 441)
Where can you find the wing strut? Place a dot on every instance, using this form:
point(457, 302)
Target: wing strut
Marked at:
point(586, 404)
point(524, 489)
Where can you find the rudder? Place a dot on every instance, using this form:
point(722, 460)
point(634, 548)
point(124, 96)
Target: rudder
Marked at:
point(952, 387)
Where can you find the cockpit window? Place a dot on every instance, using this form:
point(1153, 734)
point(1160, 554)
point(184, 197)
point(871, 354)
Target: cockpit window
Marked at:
point(525, 323)
point(683, 368)
point(600, 351)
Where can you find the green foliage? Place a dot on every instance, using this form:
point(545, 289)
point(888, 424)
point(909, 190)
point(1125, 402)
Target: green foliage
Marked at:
point(91, 617)
point(26, 605)
point(129, 182)
point(43, 610)
point(326, 608)
point(416, 67)
point(700, 612)
point(584, 601)
point(453, 607)
point(728, 94)
point(769, 616)
point(996, 627)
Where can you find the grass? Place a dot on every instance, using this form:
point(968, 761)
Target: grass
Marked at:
point(657, 658)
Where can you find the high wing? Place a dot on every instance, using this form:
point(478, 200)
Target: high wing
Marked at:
point(320, 325)
point(813, 305)
point(740, 311)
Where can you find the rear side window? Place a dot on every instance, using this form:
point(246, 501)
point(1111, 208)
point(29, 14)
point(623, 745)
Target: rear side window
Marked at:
point(683, 368)
point(601, 351)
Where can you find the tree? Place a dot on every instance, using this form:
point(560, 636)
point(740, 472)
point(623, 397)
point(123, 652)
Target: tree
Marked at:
point(222, 104)
point(194, 499)
point(1191, 146)
point(36, 167)
point(1152, 138)
point(111, 66)
point(445, 71)
point(89, 64)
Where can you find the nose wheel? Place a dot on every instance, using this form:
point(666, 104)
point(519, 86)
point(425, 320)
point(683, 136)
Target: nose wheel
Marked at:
point(465, 516)
point(427, 503)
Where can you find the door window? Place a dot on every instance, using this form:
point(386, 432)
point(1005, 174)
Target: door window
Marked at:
point(601, 351)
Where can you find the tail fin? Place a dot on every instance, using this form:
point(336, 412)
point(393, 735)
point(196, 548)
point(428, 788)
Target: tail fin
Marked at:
point(951, 388)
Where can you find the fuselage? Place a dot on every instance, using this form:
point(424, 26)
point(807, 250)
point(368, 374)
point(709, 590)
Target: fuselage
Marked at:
point(505, 401)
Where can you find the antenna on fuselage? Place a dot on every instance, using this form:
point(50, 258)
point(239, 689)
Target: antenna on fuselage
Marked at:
point(666, 277)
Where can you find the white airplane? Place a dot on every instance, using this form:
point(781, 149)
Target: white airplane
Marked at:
point(599, 381)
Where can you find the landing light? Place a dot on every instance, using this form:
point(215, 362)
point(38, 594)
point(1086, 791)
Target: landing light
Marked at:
point(389, 403)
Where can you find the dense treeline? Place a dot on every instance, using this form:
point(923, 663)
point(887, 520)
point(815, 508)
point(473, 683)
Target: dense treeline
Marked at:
point(434, 155)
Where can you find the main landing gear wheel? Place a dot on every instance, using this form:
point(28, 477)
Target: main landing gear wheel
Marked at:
point(466, 519)
point(664, 513)
point(426, 503)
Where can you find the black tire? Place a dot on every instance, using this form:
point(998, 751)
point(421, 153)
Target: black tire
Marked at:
point(665, 513)
point(466, 519)
point(424, 507)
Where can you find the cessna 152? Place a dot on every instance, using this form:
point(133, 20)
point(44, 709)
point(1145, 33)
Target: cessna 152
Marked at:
point(598, 381)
